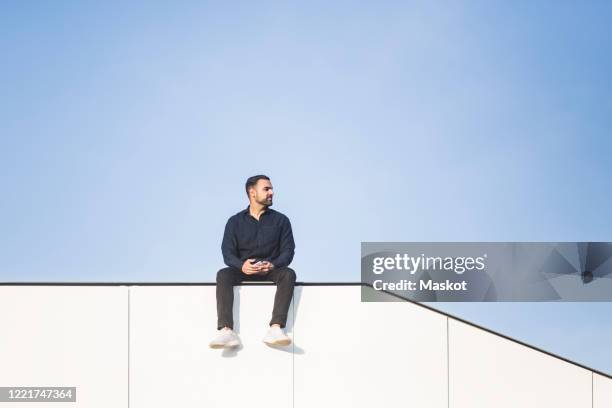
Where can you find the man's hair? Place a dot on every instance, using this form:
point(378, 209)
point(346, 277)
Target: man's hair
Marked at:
point(251, 181)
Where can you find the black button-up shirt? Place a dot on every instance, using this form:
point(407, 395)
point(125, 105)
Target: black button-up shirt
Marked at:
point(269, 239)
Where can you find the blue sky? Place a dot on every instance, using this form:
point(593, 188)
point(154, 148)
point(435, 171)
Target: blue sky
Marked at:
point(127, 131)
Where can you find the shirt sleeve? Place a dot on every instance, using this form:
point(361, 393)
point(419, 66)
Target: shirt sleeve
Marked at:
point(287, 246)
point(229, 247)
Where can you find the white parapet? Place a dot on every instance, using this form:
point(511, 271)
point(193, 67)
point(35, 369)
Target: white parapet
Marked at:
point(354, 354)
point(490, 371)
point(602, 391)
point(147, 347)
point(172, 366)
point(65, 336)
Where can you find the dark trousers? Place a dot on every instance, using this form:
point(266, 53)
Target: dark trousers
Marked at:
point(227, 278)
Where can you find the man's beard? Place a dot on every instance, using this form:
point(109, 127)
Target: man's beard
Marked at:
point(265, 202)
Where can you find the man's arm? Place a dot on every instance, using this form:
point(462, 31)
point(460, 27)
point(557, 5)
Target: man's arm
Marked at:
point(287, 246)
point(229, 247)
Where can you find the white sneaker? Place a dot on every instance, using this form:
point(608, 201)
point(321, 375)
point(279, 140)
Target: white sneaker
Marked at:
point(276, 337)
point(225, 338)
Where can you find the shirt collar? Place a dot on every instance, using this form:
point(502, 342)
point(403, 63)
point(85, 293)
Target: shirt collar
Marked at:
point(246, 211)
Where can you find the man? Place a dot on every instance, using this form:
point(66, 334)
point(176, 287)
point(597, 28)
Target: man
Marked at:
point(257, 246)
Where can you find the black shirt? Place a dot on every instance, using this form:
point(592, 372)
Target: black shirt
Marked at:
point(269, 239)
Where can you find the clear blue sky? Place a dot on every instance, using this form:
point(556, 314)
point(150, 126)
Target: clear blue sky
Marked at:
point(127, 131)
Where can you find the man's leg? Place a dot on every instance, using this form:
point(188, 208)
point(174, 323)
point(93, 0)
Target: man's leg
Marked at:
point(226, 279)
point(284, 278)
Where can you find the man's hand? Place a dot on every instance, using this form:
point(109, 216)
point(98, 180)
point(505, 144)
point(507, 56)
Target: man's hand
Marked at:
point(266, 266)
point(250, 269)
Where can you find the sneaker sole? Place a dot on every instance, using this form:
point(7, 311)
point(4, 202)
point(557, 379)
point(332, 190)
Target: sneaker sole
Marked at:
point(216, 346)
point(279, 342)
point(228, 345)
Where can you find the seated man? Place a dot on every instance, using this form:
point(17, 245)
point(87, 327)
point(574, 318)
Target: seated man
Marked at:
point(257, 245)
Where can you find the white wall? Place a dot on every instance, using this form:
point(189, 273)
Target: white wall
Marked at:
point(65, 336)
point(490, 371)
point(345, 352)
point(354, 354)
point(602, 391)
point(171, 364)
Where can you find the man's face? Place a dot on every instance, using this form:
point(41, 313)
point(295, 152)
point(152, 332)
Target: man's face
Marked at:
point(263, 192)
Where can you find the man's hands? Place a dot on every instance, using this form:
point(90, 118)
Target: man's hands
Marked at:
point(266, 266)
point(251, 269)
